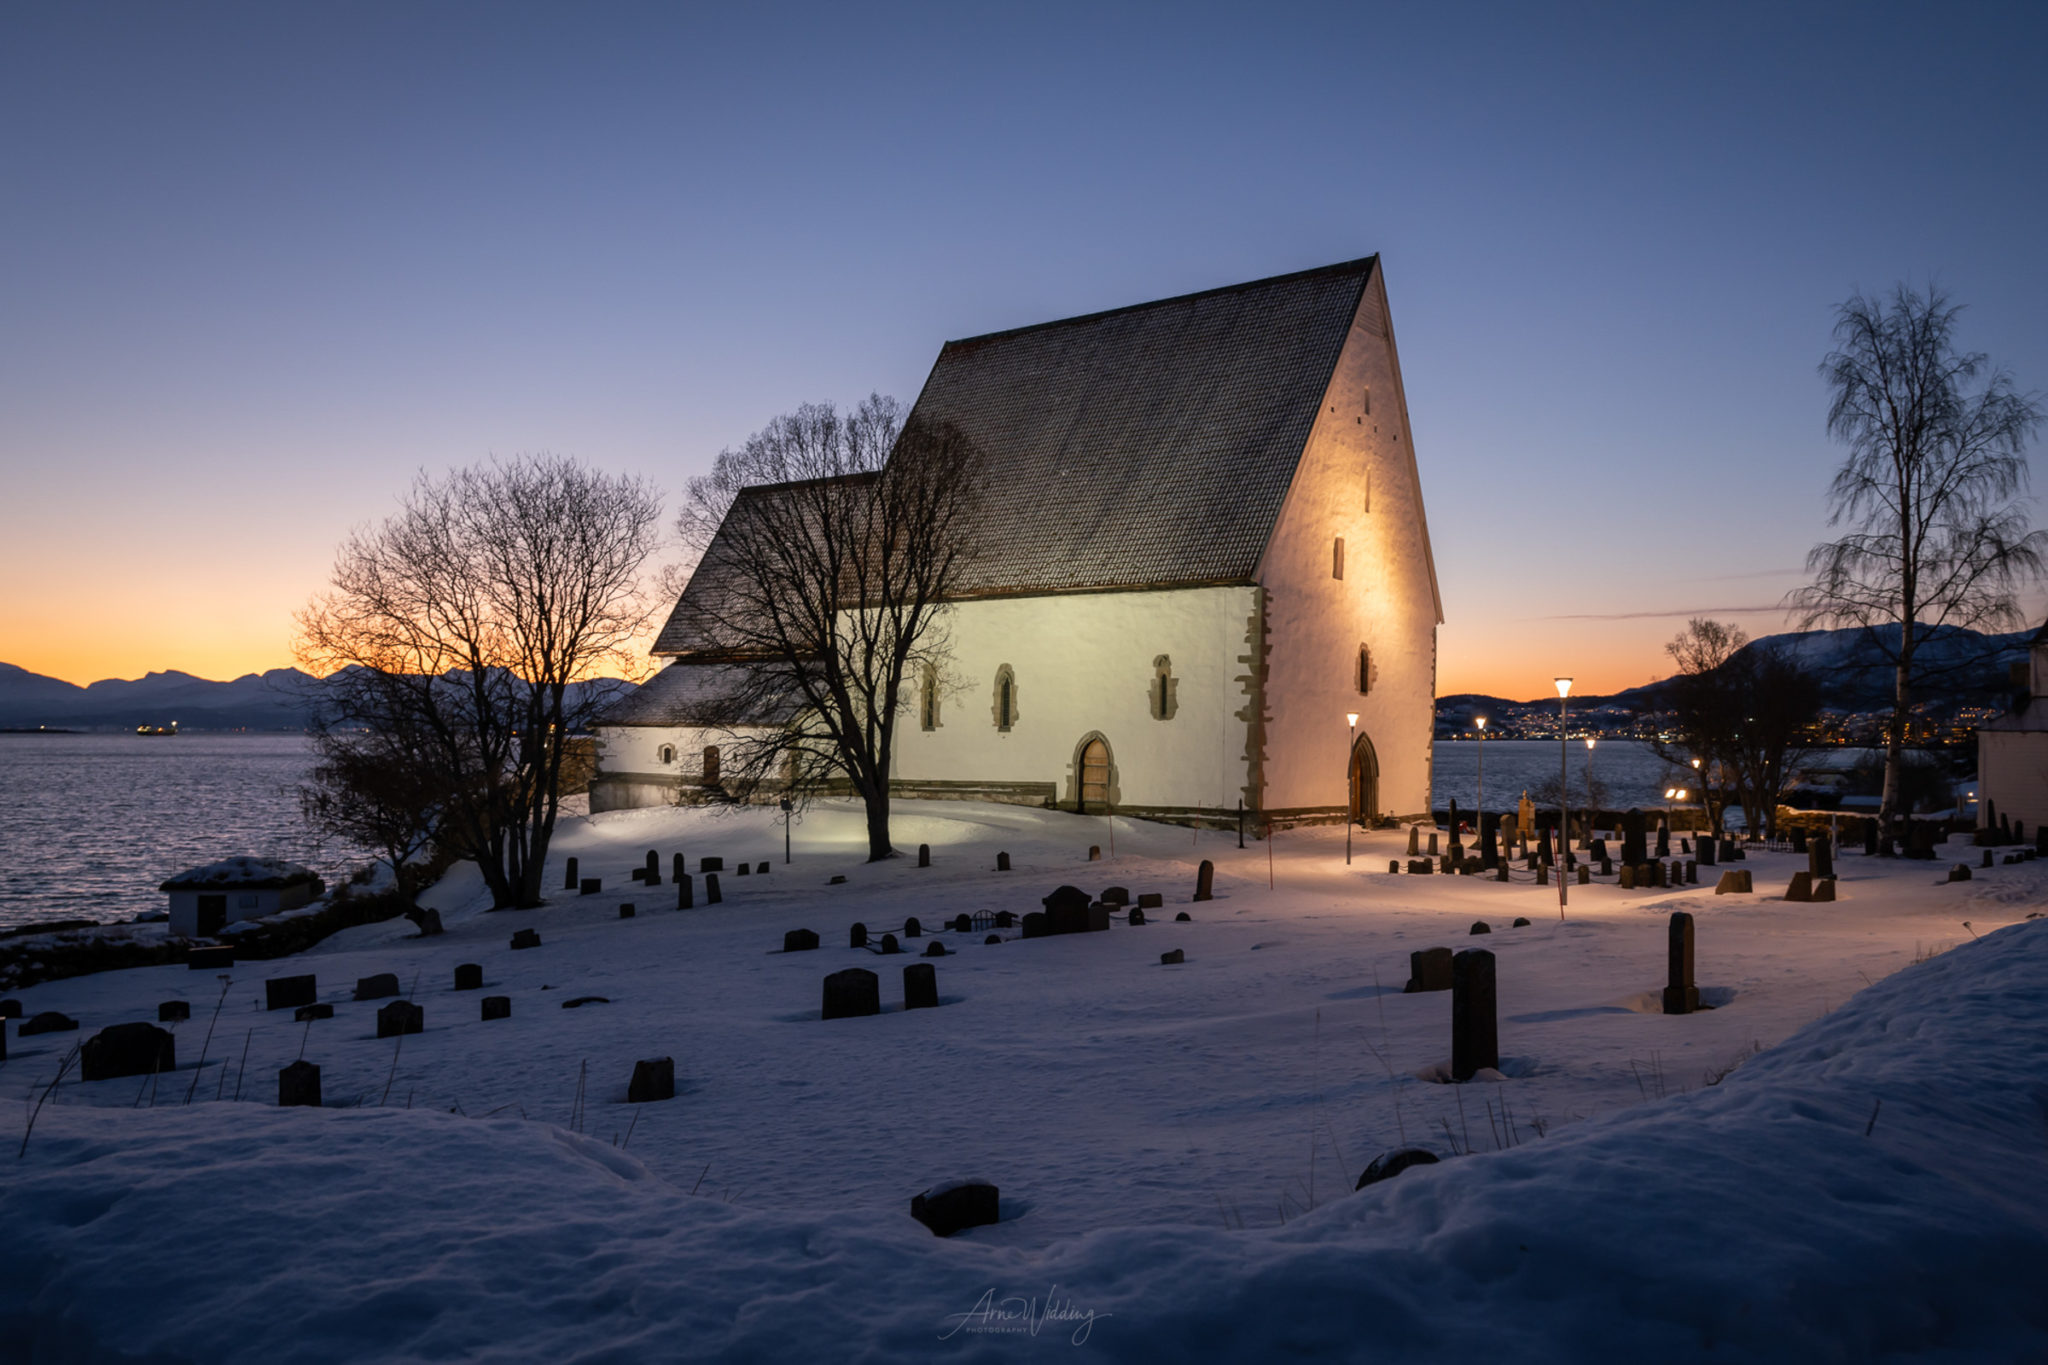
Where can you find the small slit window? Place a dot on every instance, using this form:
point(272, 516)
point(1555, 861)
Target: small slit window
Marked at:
point(1337, 558)
point(1004, 710)
point(1364, 670)
point(668, 753)
point(710, 764)
point(1165, 689)
point(928, 699)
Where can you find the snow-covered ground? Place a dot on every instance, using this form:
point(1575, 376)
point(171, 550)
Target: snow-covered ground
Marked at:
point(1176, 1146)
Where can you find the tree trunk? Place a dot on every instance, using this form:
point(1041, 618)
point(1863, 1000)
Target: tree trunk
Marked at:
point(877, 799)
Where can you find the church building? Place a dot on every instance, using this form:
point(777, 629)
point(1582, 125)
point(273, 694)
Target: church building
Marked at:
point(1208, 555)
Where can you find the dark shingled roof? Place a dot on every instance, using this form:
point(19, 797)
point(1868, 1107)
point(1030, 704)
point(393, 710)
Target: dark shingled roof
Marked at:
point(1148, 446)
point(691, 696)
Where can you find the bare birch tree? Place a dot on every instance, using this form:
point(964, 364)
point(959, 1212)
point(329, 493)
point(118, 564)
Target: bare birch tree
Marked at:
point(1932, 486)
point(473, 623)
point(829, 544)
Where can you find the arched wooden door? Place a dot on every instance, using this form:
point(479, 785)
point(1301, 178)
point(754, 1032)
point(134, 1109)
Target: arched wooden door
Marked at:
point(1365, 782)
point(1094, 768)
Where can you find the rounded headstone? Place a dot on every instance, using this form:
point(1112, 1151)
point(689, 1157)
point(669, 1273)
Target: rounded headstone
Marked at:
point(469, 976)
point(497, 1007)
point(852, 993)
point(1183, 918)
point(170, 1011)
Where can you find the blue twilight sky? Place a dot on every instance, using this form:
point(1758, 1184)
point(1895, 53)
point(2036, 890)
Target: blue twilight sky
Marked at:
point(260, 263)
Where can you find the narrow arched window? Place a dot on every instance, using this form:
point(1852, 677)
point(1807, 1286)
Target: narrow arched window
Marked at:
point(668, 753)
point(928, 699)
point(1337, 558)
point(1004, 710)
point(710, 765)
point(1364, 669)
point(1165, 689)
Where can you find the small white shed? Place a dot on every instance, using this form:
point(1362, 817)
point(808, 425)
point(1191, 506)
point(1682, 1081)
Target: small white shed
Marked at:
point(206, 899)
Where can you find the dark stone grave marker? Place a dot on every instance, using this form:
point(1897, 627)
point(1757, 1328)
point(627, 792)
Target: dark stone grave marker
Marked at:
point(400, 1017)
point(1002, 862)
point(1429, 969)
point(950, 1209)
point(653, 1080)
point(469, 976)
point(685, 890)
point(711, 893)
point(799, 941)
point(1136, 919)
point(49, 1021)
point(298, 1085)
point(711, 864)
point(171, 1011)
point(912, 929)
point(289, 992)
point(1475, 1031)
point(921, 984)
point(924, 855)
point(1205, 881)
point(497, 1007)
point(377, 987)
point(935, 949)
point(890, 945)
point(852, 993)
point(306, 1013)
point(590, 886)
point(626, 910)
point(1173, 958)
point(127, 1050)
point(653, 874)
point(1681, 996)
point(569, 879)
point(525, 938)
point(857, 936)
point(1151, 900)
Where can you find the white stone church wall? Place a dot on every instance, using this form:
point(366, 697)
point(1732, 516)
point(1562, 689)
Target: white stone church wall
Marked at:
point(1356, 481)
point(1083, 664)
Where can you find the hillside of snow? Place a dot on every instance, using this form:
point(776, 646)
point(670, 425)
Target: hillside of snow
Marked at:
point(1176, 1146)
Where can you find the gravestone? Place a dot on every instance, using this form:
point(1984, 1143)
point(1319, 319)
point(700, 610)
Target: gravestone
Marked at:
point(1735, 881)
point(912, 929)
point(590, 886)
point(1387, 1165)
point(638, 874)
point(1393, 866)
point(1634, 847)
point(626, 910)
point(1599, 850)
point(1002, 862)
point(836, 879)
point(1173, 957)
point(1136, 919)
point(400, 1017)
point(171, 1011)
point(1094, 853)
point(1987, 857)
point(1066, 911)
point(947, 1209)
point(1824, 891)
point(306, 1013)
point(1500, 871)
point(935, 948)
point(1480, 927)
point(289, 992)
point(1520, 922)
point(653, 874)
point(1151, 900)
point(1681, 995)
point(653, 1080)
point(1628, 877)
point(377, 987)
point(1870, 838)
point(857, 936)
point(497, 1007)
point(1606, 868)
point(469, 977)
point(1544, 857)
point(711, 864)
point(1414, 841)
point(1585, 875)
point(298, 1085)
point(127, 1050)
point(1116, 895)
point(1475, 1032)
point(427, 918)
point(761, 869)
point(525, 938)
point(993, 939)
point(1799, 839)
point(1205, 881)
point(676, 868)
point(1820, 856)
point(1183, 918)
point(1959, 873)
point(1489, 839)
point(1543, 874)
point(1663, 840)
point(1429, 969)
point(1692, 871)
point(963, 924)
point(1037, 924)
point(1525, 815)
point(1729, 851)
point(924, 855)
point(890, 945)
point(1920, 844)
point(852, 993)
point(799, 941)
point(685, 890)
point(1704, 850)
point(711, 893)
point(1801, 889)
point(210, 959)
point(1005, 919)
point(49, 1021)
point(1432, 844)
point(921, 984)
point(569, 879)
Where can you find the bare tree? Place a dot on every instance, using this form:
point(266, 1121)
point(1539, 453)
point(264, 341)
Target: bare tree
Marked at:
point(373, 789)
point(472, 623)
point(829, 543)
point(1932, 487)
point(1745, 710)
point(1704, 710)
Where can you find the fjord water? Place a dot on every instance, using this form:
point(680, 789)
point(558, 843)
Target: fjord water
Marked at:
point(91, 823)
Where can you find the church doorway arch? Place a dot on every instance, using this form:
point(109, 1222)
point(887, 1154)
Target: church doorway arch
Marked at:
point(1094, 775)
point(1365, 782)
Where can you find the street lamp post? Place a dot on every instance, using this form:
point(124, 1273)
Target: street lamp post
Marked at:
point(1479, 795)
point(1350, 767)
point(1564, 765)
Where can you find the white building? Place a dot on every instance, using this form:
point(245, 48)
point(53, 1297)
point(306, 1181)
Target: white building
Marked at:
point(206, 899)
point(1212, 550)
point(2012, 751)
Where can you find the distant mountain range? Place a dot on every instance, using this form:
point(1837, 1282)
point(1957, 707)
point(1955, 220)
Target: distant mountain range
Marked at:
point(1956, 668)
point(281, 699)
